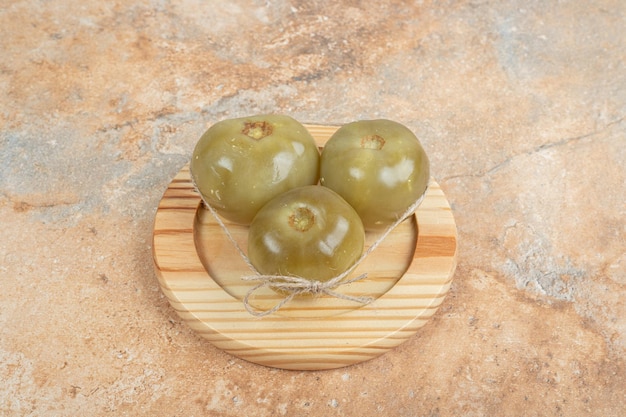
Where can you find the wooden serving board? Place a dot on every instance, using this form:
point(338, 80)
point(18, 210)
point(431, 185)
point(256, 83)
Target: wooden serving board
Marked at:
point(199, 270)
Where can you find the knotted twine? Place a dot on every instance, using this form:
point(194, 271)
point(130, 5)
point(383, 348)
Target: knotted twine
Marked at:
point(294, 286)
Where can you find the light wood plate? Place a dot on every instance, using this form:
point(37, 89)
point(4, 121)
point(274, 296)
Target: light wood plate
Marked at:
point(200, 271)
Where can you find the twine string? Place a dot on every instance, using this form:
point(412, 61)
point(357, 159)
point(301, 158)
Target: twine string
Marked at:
point(293, 286)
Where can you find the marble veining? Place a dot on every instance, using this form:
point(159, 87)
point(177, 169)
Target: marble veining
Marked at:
point(520, 105)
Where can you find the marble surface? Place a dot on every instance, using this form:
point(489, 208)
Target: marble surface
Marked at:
point(521, 106)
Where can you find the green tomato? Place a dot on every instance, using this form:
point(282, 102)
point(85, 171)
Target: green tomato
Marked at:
point(308, 232)
point(378, 166)
point(238, 165)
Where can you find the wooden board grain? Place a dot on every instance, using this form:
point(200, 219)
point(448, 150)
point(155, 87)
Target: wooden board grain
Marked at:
point(200, 271)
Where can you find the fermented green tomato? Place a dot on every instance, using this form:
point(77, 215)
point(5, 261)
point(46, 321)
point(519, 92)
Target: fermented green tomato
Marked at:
point(238, 165)
point(378, 166)
point(308, 232)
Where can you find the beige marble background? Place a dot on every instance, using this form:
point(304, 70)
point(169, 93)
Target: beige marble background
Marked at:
point(520, 104)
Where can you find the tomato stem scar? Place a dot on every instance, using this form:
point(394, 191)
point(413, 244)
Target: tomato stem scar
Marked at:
point(257, 130)
point(372, 142)
point(302, 219)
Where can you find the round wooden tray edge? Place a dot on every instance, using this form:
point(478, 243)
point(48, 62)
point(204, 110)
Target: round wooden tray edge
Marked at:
point(286, 356)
